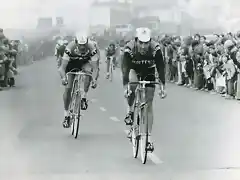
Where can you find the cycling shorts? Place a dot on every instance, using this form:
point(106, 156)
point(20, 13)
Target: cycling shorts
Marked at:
point(148, 74)
point(76, 64)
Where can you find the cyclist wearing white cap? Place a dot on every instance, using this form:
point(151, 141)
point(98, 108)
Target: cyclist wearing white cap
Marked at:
point(79, 54)
point(140, 59)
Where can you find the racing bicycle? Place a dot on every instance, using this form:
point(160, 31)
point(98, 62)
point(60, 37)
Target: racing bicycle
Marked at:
point(111, 68)
point(76, 97)
point(140, 134)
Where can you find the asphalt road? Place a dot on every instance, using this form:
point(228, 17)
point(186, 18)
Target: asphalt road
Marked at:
point(196, 135)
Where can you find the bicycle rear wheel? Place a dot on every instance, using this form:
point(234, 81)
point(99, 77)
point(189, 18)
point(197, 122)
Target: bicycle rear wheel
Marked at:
point(75, 107)
point(144, 135)
point(135, 132)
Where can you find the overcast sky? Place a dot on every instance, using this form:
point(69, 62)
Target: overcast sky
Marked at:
point(24, 13)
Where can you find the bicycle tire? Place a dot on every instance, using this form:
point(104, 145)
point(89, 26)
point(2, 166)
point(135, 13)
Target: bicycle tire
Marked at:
point(77, 115)
point(72, 104)
point(135, 132)
point(144, 135)
point(111, 71)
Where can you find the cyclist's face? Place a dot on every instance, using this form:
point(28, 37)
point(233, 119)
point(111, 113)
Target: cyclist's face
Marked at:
point(82, 48)
point(202, 39)
point(143, 46)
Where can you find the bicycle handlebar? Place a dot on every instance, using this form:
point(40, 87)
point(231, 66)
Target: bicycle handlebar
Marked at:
point(79, 73)
point(144, 82)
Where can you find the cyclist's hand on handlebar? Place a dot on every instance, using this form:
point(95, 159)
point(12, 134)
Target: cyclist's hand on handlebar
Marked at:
point(94, 84)
point(127, 92)
point(162, 92)
point(64, 81)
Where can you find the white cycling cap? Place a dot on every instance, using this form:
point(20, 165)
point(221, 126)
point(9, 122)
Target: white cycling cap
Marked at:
point(143, 34)
point(82, 38)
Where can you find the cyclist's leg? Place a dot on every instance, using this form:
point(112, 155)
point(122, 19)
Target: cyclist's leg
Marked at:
point(107, 66)
point(150, 90)
point(67, 95)
point(95, 66)
point(59, 61)
point(130, 100)
point(114, 61)
point(88, 68)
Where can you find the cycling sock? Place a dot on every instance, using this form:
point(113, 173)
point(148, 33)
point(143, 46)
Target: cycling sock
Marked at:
point(149, 138)
point(66, 114)
point(84, 95)
point(129, 109)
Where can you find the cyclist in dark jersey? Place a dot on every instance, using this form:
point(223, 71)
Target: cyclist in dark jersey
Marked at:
point(140, 59)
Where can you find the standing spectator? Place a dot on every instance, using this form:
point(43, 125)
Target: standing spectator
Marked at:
point(198, 62)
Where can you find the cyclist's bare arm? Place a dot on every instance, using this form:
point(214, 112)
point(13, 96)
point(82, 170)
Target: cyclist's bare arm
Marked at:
point(125, 66)
point(65, 60)
point(160, 65)
point(95, 57)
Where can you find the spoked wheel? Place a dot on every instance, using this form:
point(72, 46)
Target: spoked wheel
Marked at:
point(76, 117)
point(111, 72)
point(143, 147)
point(72, 125)
point(135, 133)
point(144, 136)
point(75, 107)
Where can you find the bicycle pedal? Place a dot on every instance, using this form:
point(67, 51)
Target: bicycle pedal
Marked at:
point(150, 149)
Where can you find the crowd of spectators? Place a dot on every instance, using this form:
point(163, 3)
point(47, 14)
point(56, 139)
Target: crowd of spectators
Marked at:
point(14, 53)
point(209, 63)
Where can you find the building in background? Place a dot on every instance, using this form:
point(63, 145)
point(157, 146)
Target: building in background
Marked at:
point(59, 21)
point(44, 23)
point(108, 14)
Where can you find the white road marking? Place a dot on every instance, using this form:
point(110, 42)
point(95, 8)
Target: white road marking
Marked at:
point(94, 100)
point(103, 109)
point(153, 157)
point(114, 119)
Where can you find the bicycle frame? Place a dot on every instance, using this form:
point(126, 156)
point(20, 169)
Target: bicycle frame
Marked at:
point(140, 111)
point(75, 104)
point(79, 78)
point(140, 93)
point(111, 67)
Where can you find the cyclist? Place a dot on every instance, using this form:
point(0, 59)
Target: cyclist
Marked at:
point(141, 57)
point(78, 55)
point(110, 51)
point(59, 43)
point(95, 64)
point(60, 52)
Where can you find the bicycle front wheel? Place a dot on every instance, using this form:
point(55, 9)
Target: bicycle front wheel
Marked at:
point(135, 132)
point(77, 116)
point(111, 71)
point(72, 106)
point(144, 135)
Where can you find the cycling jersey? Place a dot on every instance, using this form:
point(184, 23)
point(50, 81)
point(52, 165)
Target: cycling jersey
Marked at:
point(60, 50)
point(143, 64)
point(72, 51)
point(77, 59)
point(110, 51)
